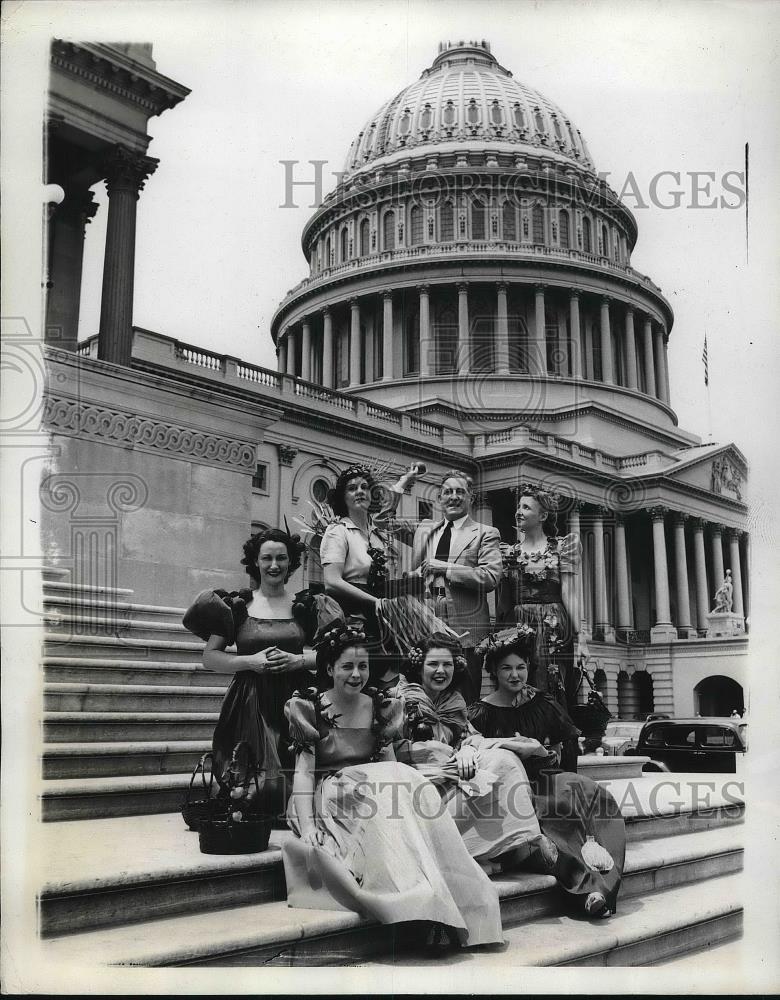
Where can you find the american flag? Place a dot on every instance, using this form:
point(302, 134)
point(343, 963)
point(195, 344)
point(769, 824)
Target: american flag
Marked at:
point(706, 362)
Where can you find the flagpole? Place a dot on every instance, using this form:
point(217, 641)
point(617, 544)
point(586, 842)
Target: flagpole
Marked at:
point(706, 361)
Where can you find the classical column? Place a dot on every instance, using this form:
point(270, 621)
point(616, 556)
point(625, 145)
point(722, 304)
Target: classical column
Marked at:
point(502, 342)
point(464, 343)
point(125, 172)
point(681, 574)
point(631, 369)
point(306, 351)
point(717, 558)
point(327, 349)
point(607, 368)
point(281, 363)
point(588, 355)
point(661, 365)
point(621, 575)
point(574, 529)
point(577, 369)
point(736, 571)
point(67, 228)
point(600, 596)
point(290, 338)
point(667, 390)
point(663, 630)
point(539, 350)
point(700, 563)
point(354, 342)
point(387, 336)
point(426, 343)
point(647, 344)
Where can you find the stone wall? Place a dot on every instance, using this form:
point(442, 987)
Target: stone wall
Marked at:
point(148, 484)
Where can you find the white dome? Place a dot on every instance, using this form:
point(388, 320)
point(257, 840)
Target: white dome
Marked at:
point(466, 101)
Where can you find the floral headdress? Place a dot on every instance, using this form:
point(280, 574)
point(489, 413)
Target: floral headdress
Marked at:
point(505, 641)
point(417, 654)
point(548, 499)
point(337, 636)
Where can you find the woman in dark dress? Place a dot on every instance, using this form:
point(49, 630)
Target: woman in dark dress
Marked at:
point(540, 588)
point(578, 815)
point(272, 630)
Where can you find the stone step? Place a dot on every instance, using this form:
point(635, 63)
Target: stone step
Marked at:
point(647, 930)
point(112, 647)
point(91, 798)
point(111, 760)
point(169, 874)
point(106, 605)
point(131, 698)
point(88, 727)
point(271, 933)
point(93, 670)
point(122, 625)
point(60, 583)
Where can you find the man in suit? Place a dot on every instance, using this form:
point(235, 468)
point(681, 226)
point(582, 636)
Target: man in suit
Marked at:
point(460, 560)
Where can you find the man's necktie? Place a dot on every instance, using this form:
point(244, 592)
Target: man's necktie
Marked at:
point(443, 545)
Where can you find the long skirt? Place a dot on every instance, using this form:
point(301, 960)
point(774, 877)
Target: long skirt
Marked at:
point(571, 809)
point(390, 852)
point(494, 812)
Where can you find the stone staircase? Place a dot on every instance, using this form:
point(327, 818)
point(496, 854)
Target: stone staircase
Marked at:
point(129, 711)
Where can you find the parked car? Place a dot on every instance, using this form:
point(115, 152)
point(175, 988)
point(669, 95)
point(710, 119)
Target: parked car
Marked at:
point(702, 744)
point(621, 735)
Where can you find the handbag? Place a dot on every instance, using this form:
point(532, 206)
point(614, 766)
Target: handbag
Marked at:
point(194, 811)
point(227, 829)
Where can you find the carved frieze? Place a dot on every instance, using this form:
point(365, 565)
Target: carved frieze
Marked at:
point(726, 477)
point(78, 419)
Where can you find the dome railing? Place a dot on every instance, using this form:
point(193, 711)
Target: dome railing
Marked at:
point(494, 249)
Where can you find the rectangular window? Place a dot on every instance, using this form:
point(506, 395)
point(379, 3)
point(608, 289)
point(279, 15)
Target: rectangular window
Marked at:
point(424, 510)
point(260, 478)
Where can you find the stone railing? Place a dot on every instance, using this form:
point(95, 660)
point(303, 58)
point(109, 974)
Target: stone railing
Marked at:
point(494, 249)
point(274, 386)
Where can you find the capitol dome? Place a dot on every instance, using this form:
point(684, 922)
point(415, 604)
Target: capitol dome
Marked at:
point(466, 100)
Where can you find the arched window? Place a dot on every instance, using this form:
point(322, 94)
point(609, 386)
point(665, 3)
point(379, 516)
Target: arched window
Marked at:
point(448, 115)
point(519, 116)
point(328, 261)
point(557, 127)
point(496, 114)
point(405, 123)
point(477, 220)
point(616, 245)
point(426, 118)
point(563, 223)
point(364, 238)
point(537, 223)
point(604, 241)
point(587, 239)
point(388, 231)
point(343, 244)
point(472, 113)
point(447, 223)
point(539, 120)
point(416, 223)
point(510, 221)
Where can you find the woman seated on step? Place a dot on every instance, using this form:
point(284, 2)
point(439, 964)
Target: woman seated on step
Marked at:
point(272, 630)
point(482, 781)
point(371, 835)
point(578, 815)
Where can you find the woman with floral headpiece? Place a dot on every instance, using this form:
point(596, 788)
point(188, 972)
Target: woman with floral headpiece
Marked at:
point(481, 781)
point(539, 589)
point(272, 630)
point(577, 814)
point(358, 556)
point(371, 835)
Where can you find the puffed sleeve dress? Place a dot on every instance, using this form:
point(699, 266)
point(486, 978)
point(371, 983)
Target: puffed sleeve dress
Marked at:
point(390, 850)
